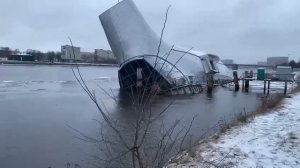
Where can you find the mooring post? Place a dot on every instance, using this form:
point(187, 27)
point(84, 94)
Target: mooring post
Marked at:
point(269, 81)
point(247, 85)
point(285, 87)
point(243, 84)
point(210, 82)
point(246, 77)
point(265, 86)
point(235, 77)
point(236, 81)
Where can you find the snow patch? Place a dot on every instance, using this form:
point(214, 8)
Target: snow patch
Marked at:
point(271, 140)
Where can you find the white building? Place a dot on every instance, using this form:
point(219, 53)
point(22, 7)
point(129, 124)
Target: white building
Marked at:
point(3, 58)
point(70, 53)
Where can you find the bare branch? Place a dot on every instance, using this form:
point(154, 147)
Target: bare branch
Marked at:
point(162, 33)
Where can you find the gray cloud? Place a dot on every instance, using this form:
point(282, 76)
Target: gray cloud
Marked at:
point(245, 30)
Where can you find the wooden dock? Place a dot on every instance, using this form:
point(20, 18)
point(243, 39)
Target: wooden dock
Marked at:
point(246, 78)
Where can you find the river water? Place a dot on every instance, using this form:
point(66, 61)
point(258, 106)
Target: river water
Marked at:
point(40, 106)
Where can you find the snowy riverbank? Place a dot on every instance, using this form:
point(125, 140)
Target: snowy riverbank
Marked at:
point(270, 140)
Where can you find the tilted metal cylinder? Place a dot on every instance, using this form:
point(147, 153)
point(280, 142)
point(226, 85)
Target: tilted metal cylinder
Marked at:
point(136, 47)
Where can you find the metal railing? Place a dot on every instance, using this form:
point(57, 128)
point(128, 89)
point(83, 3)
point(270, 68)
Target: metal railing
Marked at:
point(269, 76)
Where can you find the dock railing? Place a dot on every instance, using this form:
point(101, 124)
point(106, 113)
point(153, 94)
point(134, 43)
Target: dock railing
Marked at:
point(269, 76)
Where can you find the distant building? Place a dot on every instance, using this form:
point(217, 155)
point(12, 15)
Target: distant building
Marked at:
point(21, 57)
point(263, 63)
point(104, 54)
point(273, 61)
point(70, 53)
point(87, 57)
point(4, 53)
point(3, 58)
point(31, 51)
point(38, 55)
point(227, 61)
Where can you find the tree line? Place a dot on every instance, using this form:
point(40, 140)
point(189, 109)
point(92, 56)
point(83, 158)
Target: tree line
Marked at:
point(292, 63)
point(54, 56)
point(50, 56)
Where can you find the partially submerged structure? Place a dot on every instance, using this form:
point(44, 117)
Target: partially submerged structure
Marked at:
point(146, 60)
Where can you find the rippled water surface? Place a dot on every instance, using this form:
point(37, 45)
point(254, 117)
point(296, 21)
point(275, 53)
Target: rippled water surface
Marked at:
point(40, 106)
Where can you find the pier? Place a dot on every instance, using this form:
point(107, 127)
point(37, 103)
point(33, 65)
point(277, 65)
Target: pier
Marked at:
point(267, 79)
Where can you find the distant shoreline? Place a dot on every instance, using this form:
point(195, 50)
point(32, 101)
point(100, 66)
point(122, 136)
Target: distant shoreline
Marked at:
point(53, 63)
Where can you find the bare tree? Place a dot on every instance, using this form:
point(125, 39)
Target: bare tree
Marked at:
point(51, 56)
point(144, 141)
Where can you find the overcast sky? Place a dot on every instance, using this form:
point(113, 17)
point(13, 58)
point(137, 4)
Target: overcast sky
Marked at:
point(244, 30)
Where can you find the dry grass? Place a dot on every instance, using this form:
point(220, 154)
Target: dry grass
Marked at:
point(268, 103)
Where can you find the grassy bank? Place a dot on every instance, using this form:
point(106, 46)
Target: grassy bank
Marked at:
point(268, 103)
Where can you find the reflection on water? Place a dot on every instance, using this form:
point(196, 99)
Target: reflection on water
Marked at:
point(209, 109)
point(39, 104)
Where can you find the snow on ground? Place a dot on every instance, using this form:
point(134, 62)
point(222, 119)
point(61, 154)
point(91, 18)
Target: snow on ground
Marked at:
point(270, 140)
point(275, 86)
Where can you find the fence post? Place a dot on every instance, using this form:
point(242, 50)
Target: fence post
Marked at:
point(247, 85)
point(265, 82)
point(269, 81)
point(285, 87)
point(236, 81)
point(210, 82)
